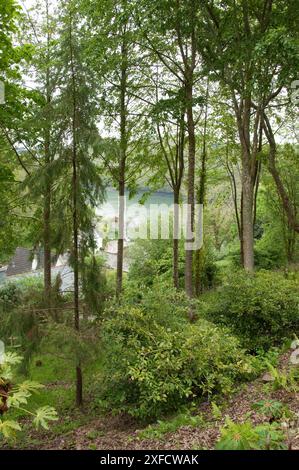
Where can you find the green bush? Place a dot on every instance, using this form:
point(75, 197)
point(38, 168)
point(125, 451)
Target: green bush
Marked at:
point(28, 290)
point(154, 363)
point(10, 295)
point(151, 258)
point(262, 308)
point(154, 258)
point(161, 300)
point(246, 436)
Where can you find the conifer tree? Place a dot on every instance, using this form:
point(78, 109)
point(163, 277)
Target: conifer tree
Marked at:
point(82, 186)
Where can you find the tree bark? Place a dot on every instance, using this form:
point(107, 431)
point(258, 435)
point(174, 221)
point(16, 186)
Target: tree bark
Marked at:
point(201, 195)
point(79, 380)
point(176, 221)
point(243, 117)
point(47, 246)
point(122, 163)
point(234, 193)
point(190, 198)
point(120, 241)
point(247, 220)
point(47, 189)
point(241, 232)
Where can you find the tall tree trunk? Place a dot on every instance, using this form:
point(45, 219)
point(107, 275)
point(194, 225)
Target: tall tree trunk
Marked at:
point(79, 391)
point(247, 219)
point(79, 381)
point(201, 195)
point(239, 218)
point(122, 164)
point(199, 253)
point(120, 242)
point(47, 245)
point(47, 193)
point(176, 223)
point(241, 232)
point(243, 116)
point(190, 198)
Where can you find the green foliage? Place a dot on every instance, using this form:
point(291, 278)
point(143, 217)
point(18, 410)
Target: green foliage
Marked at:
point(154, 258)
point(268, 253)
point(23, 316)
point(216, 411)
point(16, 396)
point(151, 258)
point(19, 316)
point(273, 409)
point(245, 436)
point(43, 416)
point(286, 380)
point(157, 431)
point(262, 309)
point(278, 244)
point(9, 296)
point(154, 363)
point(94, 284)
point(261, 359)
point(161, 300)
point(63, 341)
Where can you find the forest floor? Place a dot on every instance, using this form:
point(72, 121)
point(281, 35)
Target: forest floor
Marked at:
point(88, 429)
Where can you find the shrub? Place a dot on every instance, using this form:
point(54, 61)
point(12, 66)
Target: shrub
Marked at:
point(10, 295)
point(155, 363)
point(272, 409)
point(286, 380)
point(262, 308)
point(246, 436)
point(154, 258)
point(151, 258)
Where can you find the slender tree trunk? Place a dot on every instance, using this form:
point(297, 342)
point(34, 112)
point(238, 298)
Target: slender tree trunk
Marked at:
point(120, 242)
point(285, 200)
point(243, 115)
point(79, 392)
point(199, 253)
point(201, 196)
point(241, 232)
point(47, 246)
point(247, 219)
point(176, 223)
point(256, 191)
point(47, 194)
point(190, 198)
point(79, 381)
point(239, 218)
point(122, 164)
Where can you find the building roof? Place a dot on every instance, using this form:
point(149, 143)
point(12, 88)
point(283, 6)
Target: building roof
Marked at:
point(21, 262)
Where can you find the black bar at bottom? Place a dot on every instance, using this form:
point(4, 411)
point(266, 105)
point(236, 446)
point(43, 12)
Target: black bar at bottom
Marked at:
point(133, 459)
